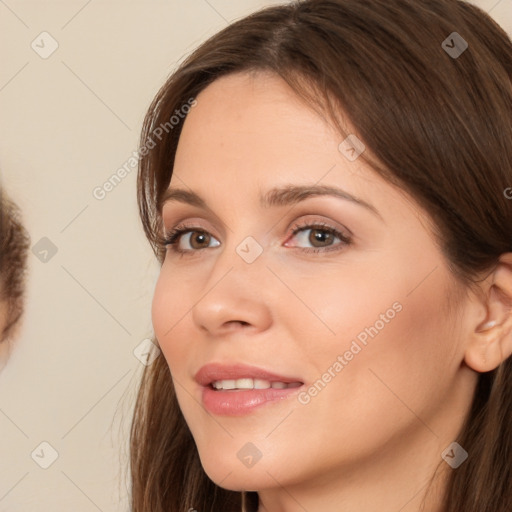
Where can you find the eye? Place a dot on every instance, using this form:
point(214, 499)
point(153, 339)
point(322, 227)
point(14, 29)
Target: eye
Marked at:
point(195, 237)
point(320, 236)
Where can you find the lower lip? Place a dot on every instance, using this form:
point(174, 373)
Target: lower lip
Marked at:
point(240, 402)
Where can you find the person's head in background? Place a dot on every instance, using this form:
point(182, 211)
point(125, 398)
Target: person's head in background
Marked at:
point(14, 244)
point(435, 117)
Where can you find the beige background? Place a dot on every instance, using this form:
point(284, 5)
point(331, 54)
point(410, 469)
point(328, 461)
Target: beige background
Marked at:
point(68, 122)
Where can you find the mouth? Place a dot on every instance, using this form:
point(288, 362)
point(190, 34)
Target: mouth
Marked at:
point(235, 390)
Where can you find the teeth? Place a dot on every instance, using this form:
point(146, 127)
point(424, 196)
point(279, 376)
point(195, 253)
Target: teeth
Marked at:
point(228, 384)
point(244, 384)
point(261, 384)
point(252, 384)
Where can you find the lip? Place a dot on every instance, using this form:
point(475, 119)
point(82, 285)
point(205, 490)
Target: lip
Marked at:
point(240, 402)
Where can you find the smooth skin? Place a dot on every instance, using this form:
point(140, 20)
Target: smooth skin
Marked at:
point(373, 436)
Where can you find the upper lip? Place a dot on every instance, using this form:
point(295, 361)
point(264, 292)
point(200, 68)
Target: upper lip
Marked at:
point(216, 371)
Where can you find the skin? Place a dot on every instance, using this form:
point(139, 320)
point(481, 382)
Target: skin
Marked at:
point(372, 438)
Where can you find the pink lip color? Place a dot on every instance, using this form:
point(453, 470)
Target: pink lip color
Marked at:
point(239, 402)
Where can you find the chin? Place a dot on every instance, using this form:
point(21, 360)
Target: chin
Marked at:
point(233, 475)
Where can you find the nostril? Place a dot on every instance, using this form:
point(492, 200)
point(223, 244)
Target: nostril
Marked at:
point(235, 325)
point(235, 322)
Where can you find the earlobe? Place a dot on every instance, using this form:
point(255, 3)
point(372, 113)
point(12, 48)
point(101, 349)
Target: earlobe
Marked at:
point(491, 340)
point(486, 355)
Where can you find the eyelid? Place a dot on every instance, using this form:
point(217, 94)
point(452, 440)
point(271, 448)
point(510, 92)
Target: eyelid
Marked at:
point(314, 221)
point(187, 223)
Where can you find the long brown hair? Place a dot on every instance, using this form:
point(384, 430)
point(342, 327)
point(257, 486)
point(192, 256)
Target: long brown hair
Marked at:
point(436, 119)
point(14, 244)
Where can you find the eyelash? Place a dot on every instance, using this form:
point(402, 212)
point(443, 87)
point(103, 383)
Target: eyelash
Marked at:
point(173, 237)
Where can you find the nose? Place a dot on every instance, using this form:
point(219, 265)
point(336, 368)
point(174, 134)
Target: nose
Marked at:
point(236, 296)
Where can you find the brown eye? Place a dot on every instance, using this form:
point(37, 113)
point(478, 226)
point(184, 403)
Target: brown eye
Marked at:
point(320, 237)
point(199, 239)
point(196, 238)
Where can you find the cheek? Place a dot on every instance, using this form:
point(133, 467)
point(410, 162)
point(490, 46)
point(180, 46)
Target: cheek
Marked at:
point(393, 338)
point(170, 312)
point(168, 315)
point(392, 364)
point(163, 309)
point(384, 306)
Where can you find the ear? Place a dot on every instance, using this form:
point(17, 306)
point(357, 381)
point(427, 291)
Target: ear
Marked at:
point(490, 340)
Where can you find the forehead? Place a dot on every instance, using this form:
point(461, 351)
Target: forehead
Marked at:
point(252, 107)
point(254, 125)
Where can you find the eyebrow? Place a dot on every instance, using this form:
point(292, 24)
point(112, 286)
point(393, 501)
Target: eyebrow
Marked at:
point(286, 195)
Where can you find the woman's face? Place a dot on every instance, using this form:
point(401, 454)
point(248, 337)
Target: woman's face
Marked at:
point(353, 316)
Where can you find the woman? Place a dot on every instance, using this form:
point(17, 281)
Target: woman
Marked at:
point(14, 243)
point(334, 303)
